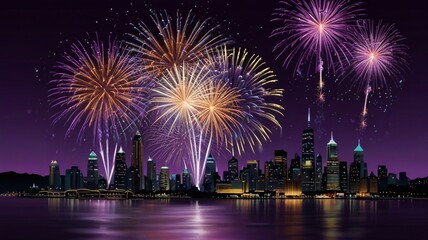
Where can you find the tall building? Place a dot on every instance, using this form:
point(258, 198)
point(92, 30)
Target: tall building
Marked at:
point(403, 180)
point(137, 160)
point(210, 169)
point(382, 174)
point(73, 178)
point(357, 170)
point(120, 170)
point(294, 182)
point(54, 176)
point(308, 158)
point(92, 171)
point(186, 180)
point(132, 179)
point(252, 174)
point(279, 169)
point(164, 184)
point(232, 168)
point(343, 176)
point(151, 175)
point(392, 179)
point(333, 180)
point(318, 173)
point(354, 177)
point(269, 185)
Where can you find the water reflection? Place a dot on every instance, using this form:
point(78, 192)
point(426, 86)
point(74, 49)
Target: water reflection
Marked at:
point(215, 219)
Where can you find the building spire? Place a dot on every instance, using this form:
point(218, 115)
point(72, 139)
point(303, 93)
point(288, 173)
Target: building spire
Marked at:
point(309, 117)
point(121, 150)
point(331, 139)
point(138, 133)
point(358, 148)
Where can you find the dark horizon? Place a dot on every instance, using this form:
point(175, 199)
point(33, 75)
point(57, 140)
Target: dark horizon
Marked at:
point(36, 33)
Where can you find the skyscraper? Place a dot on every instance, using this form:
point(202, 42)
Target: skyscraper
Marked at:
point(382, 173)
point(210, 169)
point(92, 171)
point(120, 170)
point(54, 176)
point(164, 184)
point(151, 175)
point(293, 185)
point(253, 174)
point(233, 173)
point(343, 176)
point(186, 180)
point(318, 173)
point(308, 157)
point(332, 166)
point(357, 170)
point(73, 178)
point(137, 159)
point(269, 174)
point(279, 169)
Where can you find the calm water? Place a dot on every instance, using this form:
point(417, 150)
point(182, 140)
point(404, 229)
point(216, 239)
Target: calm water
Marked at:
point(213, 219)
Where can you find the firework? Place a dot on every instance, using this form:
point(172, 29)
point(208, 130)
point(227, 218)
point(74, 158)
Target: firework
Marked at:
point(314, 29)
point(97, 87)
point(175, 100)
point(379, 55)
point(173, 44)
point(252, 79)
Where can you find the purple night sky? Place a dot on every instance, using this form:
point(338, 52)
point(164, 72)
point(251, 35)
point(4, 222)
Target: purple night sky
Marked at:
point(35, 33)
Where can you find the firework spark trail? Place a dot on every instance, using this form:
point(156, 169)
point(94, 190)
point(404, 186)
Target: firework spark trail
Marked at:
point(313, 29)
point(175, 99)
point(97, 87)
point(251, 78)
point(379, 55)
point(170, 45)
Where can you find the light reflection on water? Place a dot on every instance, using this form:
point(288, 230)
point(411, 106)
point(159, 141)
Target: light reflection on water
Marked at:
point(214, 219)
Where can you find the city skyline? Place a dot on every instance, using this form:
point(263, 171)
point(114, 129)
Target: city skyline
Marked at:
point(388, 140)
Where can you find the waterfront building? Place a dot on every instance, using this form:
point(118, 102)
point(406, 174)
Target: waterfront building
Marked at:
point(137, 160)
point(73, 178)
point(54, 176)
point(232, 169)
point(92, 171)
point(382, 174)
point(279, 173)
point(253, 174)
point(164, 184)
point(308, 157)
point(343, 176)
point(120, 170)
point(151, 175)
point(318, 173)
point(209, 178)
point(186, 180)
point(333, 181)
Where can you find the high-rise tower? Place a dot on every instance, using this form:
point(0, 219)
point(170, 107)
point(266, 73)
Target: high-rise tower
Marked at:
point(318, 173)
point(54, 176)
point(233, 173)
point(120, 170)
point(308, 157)
point(210, 169)
point(137, 159)
point(332, 166)
point(164, 184)
point(357, 170)
point(92, 172)
point(151, 175)
point(279, 173)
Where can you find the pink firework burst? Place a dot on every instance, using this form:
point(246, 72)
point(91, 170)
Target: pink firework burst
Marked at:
point(315, 29)
point(378, 55)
